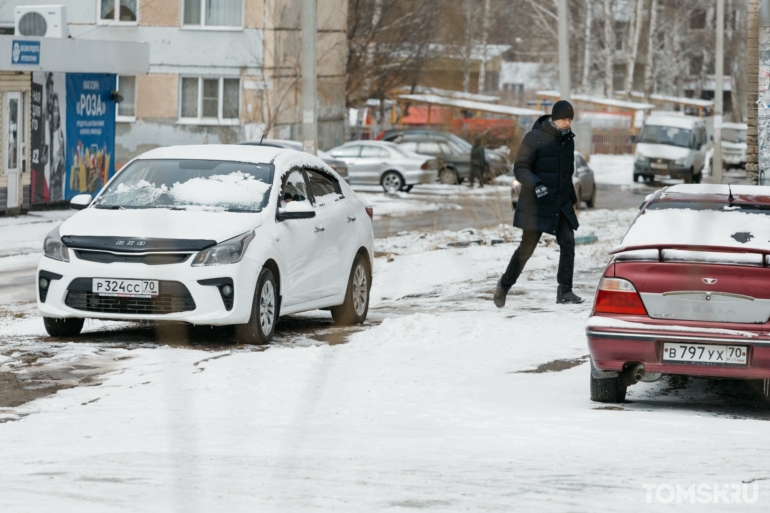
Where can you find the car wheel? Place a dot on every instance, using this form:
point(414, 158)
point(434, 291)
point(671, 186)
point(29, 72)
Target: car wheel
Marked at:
point(392, 182)
point(448, 176)
point(608, 390)
point(689, 177)
point(513, 205)
point(636, 177)
point(592, 200)
point(697, 178)
point(579, 199)
point(63, 327)
point(356, 305)
point(264, 313)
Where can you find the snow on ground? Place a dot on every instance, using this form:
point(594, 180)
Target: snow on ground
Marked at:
point(440, 405)
point(23, 235)
point(613, 169)
point(402, 203)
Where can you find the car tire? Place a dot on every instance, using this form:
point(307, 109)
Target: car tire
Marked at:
point(608, 390)
point(579, 200)
point(448, 176)
point(689, 177)
point(697, 178)
point(636, 177)
point(513, 205)
point(356, 305)
point(592, 200)
point(63, 327)
point(264, 313)
point(392, 181)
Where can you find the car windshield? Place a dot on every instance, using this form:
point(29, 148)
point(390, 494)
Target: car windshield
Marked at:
point(668, 135)
point(189, 185)
point(734, 135)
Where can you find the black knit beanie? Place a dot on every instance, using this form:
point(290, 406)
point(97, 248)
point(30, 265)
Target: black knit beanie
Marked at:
point(562, 110)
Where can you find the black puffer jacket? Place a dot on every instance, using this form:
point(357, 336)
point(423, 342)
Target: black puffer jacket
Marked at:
point(546, 157)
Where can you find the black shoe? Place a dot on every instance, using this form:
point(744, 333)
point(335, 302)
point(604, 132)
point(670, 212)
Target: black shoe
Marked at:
point(567, 297)
point(500, 293)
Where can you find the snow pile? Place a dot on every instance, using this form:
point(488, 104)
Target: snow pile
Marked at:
point(613, 169)
point(235, 189)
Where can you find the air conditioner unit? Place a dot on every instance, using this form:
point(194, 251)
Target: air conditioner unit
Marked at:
point(42, 21)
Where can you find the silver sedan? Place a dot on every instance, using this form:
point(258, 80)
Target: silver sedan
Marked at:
point(386, 164)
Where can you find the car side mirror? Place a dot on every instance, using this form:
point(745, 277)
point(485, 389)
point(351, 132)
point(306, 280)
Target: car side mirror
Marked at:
point(295, 210)
point(80, 201)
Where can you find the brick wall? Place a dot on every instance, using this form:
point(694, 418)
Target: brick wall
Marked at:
point(157, 96)
point(160, 13)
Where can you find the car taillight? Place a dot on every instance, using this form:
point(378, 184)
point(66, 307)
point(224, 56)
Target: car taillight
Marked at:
point(429, 165)
point(618, 296)
point(333, 166)
point(370, 212)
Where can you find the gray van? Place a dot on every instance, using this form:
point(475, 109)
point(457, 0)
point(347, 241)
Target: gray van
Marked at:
point(671, 145)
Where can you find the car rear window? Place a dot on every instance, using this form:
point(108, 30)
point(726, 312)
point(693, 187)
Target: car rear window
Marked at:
point(189, 185)
point(701, 223)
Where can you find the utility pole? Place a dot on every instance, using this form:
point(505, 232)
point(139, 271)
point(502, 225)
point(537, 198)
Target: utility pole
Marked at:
point(564, 84)
point(309, 114)
point(716, 161)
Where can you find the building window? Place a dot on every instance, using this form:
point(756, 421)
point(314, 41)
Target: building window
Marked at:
point(118, 11)
point(213, 13)
point(210, 100)
point(127, 108)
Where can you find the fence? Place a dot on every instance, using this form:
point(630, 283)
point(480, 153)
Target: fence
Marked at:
point(611, 141)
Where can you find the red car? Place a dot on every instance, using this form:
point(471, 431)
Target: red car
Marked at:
point(687, 292)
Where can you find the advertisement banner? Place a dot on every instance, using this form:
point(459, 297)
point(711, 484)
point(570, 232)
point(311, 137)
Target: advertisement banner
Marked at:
point(39, 191)
point(90, 132)
point(49, 99)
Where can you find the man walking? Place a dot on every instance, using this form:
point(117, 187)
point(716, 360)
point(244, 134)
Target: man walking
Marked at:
point(544, 166)
point(478, 162)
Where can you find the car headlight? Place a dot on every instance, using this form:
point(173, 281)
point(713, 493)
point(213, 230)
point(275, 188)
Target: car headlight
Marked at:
point(681, 162)
point(53, 247)
point(641, 158)
point(227, 252)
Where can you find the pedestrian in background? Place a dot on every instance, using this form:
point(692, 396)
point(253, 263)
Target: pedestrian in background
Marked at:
point(544, 165)
point(478, 162)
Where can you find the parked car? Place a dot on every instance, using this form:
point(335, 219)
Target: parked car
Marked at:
point(672, 146)
point(212, 235)
point(583, 180)
point(340, 167)
point(734, 144)
point(386, 164)
point(453, 151)
point(685, 292)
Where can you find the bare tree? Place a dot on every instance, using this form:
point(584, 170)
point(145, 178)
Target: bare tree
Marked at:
point(648, 66)
point(609, 49)
point(634, 32)
point(589, 19)
point(484, 41)
point(468, 48)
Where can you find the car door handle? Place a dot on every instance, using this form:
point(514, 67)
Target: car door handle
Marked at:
point(351, 219)
point(319, 228)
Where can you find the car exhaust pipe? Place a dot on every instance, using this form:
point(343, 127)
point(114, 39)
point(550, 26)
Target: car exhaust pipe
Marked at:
point(637, 373)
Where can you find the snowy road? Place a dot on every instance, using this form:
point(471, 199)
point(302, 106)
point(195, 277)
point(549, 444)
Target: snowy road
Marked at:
point(440, 402)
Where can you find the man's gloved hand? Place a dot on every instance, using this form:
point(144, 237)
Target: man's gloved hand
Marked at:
point(541, 191)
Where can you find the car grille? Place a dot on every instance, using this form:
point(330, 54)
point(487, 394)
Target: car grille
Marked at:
point(173, 297)
point(150, 259)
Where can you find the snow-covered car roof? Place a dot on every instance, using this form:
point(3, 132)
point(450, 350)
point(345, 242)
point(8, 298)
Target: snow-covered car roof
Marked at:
point(282, 158)
point(225, 152)
point(735, 126)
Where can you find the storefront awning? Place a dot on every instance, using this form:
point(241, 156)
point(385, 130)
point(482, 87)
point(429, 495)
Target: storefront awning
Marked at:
point(73, 55)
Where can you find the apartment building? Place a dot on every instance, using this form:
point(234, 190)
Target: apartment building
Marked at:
point(221, 71)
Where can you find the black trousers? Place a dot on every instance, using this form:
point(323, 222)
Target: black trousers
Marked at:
point(565, 237)
point(477, 172)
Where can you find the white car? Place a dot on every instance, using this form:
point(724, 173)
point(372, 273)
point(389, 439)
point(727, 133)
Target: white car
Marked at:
point(387, 164)
point(211, 235)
